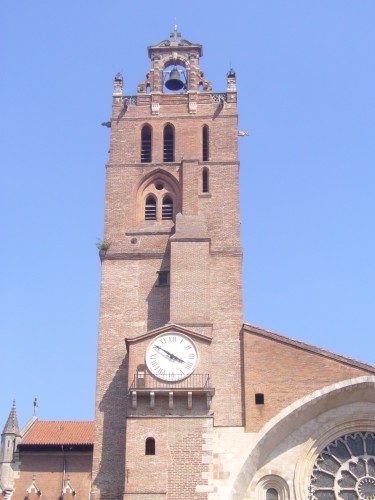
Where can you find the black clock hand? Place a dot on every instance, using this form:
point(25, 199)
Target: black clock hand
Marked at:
point(172, 356)
point(177, 359)
point(167, 352)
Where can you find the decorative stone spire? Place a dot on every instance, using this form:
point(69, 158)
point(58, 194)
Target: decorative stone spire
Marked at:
point(9, 439)
point(12, 426)
point(118, 85)
point(231, 81)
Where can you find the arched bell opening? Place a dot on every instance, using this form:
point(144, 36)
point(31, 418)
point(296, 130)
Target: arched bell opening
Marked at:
point(175, 78)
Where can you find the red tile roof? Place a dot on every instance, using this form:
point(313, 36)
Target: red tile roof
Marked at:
point(60, 432)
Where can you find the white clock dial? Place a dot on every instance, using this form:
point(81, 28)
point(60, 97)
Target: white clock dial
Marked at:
point(171, 357)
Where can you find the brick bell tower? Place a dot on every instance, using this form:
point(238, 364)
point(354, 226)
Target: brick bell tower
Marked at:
point(169, 358)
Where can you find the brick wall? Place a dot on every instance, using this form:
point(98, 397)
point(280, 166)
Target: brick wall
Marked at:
point(285, 371)
point(177, 468)
point(47, 468)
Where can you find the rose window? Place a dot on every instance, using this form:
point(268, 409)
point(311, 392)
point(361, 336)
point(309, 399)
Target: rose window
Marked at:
point(345, 469)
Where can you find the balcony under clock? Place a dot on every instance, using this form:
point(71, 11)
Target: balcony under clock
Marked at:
point(146, 385)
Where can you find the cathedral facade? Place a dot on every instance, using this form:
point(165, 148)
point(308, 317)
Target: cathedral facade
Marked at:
point(191, 403)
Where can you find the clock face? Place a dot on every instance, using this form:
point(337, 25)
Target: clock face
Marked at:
point(171, 357)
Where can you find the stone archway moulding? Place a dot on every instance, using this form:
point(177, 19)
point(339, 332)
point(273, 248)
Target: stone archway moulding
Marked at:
point(362, 421)
point(277, 429)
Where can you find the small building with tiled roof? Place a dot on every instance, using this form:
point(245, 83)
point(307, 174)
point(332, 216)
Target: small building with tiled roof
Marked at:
point(53, 458)
point(57, 433)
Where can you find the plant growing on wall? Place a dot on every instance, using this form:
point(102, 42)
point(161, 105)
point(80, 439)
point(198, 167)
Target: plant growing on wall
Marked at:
point(103, 245)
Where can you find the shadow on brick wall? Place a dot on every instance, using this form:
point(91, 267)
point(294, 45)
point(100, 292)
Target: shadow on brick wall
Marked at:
point(158, 300)
point(110, 480)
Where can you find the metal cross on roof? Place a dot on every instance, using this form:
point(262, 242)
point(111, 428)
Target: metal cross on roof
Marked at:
point(175, 34)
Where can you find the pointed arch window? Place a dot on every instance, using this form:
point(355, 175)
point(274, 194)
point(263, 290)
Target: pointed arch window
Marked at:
point(150, 208)
point(205, 145)
point(150, 446)
point(168, 152)
point(167, 208)
point(146, 144)
point(205, 179)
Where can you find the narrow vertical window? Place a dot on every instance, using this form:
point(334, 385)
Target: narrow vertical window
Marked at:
point(271, 494)
point(150, 208)
point(150, 446)
point(205, 143)
point(168, 143)
point(205, 180)
point(167, 208)
point(146, 144)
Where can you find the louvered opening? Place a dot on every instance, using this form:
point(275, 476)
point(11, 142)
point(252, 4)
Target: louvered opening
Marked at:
point(167, 209)
point(168, 143)
point(146, 144)
point(205, 143)
point(150, 208)
point(205, 180)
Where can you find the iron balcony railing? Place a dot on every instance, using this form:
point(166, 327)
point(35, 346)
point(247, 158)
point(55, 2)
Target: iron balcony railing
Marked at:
point(196, 381)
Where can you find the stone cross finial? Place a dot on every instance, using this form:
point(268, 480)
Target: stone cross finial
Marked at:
point(175, 34)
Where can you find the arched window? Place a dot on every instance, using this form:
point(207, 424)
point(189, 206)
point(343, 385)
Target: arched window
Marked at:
point(167, 208)
point(272, 494)
point(205, 185)
point(146, 137)
point(150, 446)
point(205, 150)
point(168, 143)
point(150, 208)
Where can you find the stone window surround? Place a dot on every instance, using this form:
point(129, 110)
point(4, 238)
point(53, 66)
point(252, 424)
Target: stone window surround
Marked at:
point(148, 187)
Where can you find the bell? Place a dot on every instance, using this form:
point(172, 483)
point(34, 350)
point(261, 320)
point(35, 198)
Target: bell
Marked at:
point(174, 82)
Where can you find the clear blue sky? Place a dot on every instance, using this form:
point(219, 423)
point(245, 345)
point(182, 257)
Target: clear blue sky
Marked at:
point(306, 80)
